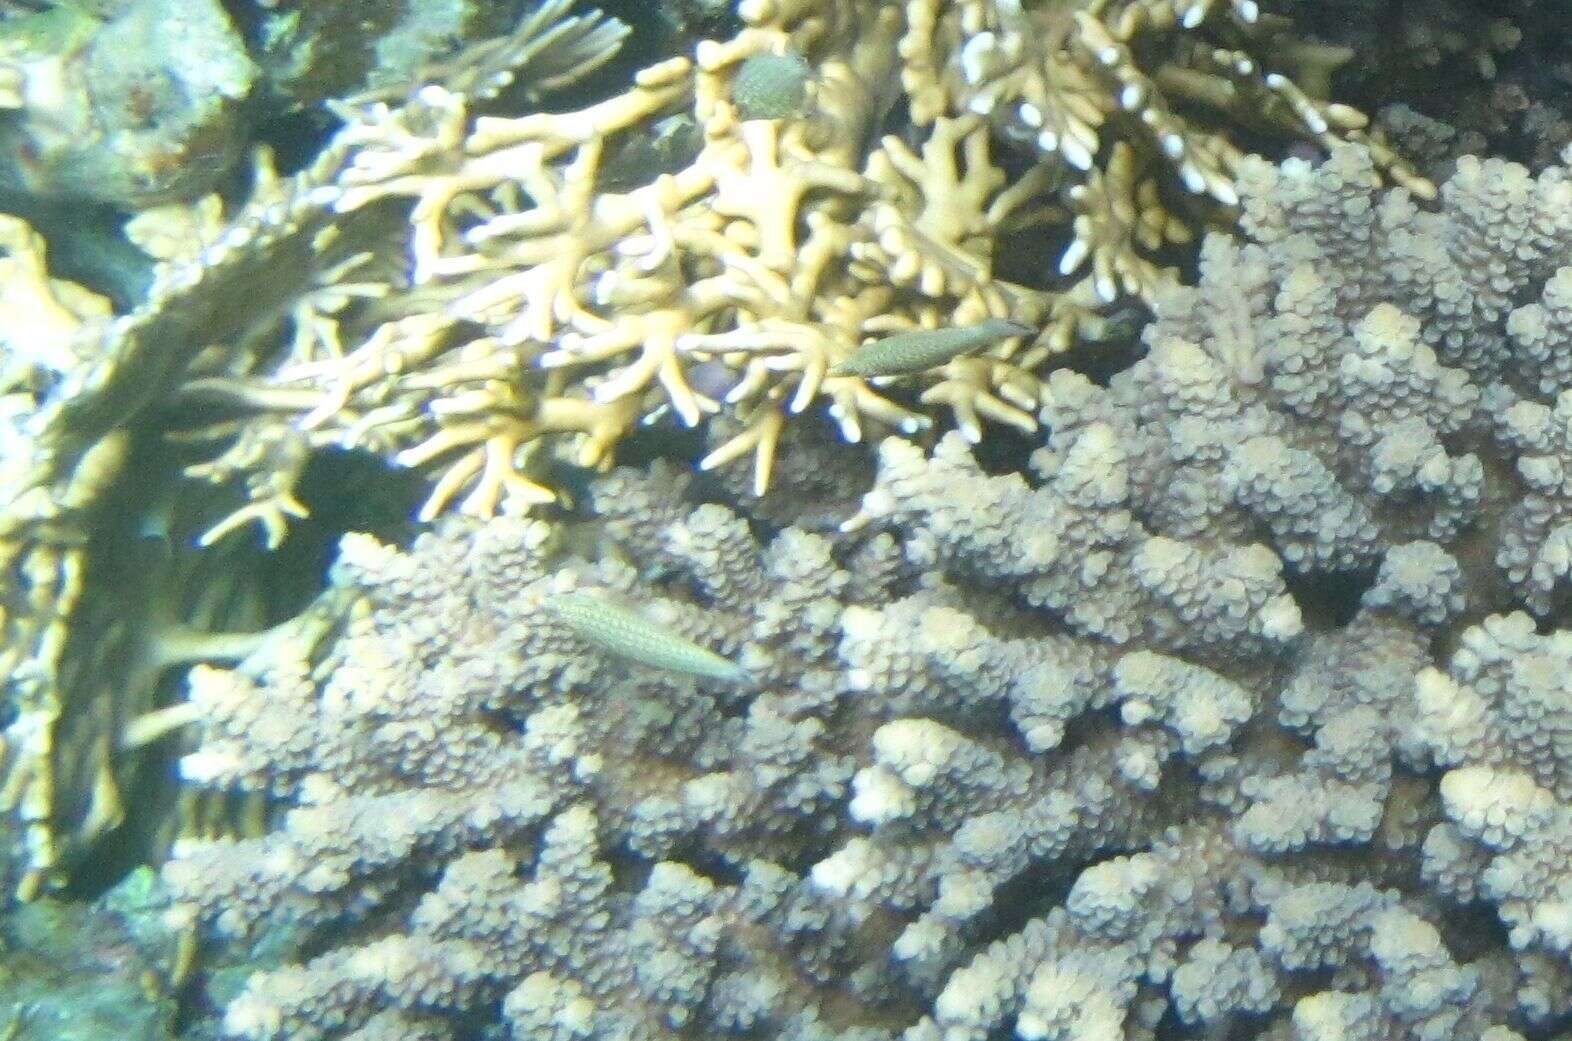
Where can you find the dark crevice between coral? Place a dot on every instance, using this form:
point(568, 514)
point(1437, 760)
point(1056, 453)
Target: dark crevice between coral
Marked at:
point(663, 29)
point(1328, 599)
point(1005, 450)
point(1520, 110)
point(87, 246)
point(356, 490)
point(145, 551)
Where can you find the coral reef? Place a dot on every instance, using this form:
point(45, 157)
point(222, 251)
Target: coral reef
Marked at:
point(137, 103)
point(482, 295)
point(78, 971)
point(81, 651)
point(1095, 751)
point(133, 105)
point(1469, 76)
point(1239, 709)
point(308, 53)
point(718, 238)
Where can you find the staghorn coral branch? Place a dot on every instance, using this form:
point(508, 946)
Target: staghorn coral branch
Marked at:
point(769, 250)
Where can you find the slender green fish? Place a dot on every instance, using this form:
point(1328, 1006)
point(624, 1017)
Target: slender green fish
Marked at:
point(628, 634)
point(922, 349)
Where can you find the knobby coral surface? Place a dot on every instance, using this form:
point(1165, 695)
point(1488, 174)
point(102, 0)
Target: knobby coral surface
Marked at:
point(1244, 710)
point(476, 293)
point(90, 619)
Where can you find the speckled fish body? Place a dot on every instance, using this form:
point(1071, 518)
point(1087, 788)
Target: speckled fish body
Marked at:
point(922, 349)
point(627, 634)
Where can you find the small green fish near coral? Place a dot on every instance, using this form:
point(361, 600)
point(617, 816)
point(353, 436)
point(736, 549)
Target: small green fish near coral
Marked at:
point(905, 353)
point(771, 86)
point(626, 633)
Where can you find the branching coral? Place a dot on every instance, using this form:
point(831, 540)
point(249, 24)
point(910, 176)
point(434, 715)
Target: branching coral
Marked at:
point(1096, 750)
point(79, 664)
point(506, 812)
point(563, 280)
point(417, 689)
point(101, 597)
point(1209, 721)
